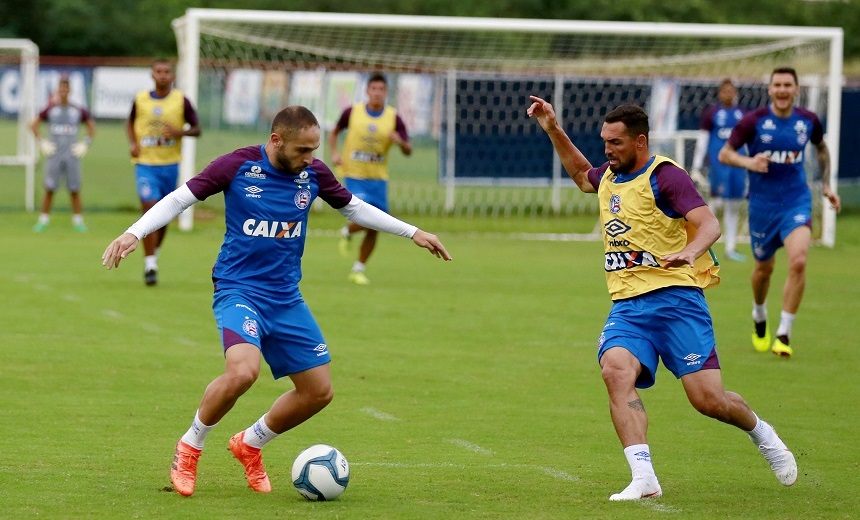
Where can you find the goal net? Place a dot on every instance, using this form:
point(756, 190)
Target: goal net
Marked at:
point(19, 64)
point(462, 87)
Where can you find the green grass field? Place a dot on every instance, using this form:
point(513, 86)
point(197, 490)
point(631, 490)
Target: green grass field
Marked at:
point(462, 390)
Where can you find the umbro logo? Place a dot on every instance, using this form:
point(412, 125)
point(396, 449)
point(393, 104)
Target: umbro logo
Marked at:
point(253, 189)
point(693, 359)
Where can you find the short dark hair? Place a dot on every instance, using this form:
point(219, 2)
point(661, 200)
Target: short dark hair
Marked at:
point(160, 61)
point(292, 120)
point(785, 70)
point(633, 117)
point(377, 77)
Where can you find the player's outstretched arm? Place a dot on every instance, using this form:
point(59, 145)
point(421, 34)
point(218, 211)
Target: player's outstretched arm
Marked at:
point(431, 243)
point(120, 248)
point(575, 164)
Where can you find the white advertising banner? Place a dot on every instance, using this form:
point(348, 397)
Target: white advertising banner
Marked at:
point(114, 89)
point(242, 96)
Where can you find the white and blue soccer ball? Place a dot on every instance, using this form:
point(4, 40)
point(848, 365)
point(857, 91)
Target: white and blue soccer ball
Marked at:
point(321, 472)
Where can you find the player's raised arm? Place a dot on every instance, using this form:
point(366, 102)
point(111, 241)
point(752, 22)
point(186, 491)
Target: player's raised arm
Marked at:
point(574, 162)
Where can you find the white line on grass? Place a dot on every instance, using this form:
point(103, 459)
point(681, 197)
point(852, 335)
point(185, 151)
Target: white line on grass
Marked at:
point(379, 414)
point(470, 446)
point(657, 506)
point(550, 472)
point(113, 314)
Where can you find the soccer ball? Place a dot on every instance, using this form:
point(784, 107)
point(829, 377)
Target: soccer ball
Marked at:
point(321, 472)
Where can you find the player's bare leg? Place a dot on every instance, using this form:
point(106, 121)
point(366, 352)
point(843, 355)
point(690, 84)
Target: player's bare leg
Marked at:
point(77, 212)
point(45, 215)
point(619, 369)
point(706, 393)
point(797, 248)
point(150, 245)
point(760, 282)
point(357, 275)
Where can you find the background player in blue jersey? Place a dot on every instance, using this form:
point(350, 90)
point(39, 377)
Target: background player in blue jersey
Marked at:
point(780, 202)
point(63, 152)
point(655, 271)
point(728, 185)
point(268, 191)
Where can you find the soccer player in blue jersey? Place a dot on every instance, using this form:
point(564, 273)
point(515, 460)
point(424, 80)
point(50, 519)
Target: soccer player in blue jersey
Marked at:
point(780, 202)
point(63, 152)
point(728, 185)
point(656, 267)
point(261, 315)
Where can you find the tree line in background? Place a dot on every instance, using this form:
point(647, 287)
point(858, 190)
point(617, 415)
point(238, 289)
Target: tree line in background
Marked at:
point(134, 28)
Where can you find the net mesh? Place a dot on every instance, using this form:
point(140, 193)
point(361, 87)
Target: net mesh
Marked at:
point(463, 92)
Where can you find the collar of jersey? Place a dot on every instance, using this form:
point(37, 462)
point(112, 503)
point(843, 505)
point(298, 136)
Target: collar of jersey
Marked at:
point(627, 177)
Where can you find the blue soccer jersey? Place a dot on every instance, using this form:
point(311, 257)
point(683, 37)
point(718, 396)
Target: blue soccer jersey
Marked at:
point(266, 214)
point(784, 141)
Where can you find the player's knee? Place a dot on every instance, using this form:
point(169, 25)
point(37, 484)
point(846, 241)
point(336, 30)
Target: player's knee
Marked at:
point(710, 405)
point(320, 396)
point(241, 378)
point(797, 265)
point(616, 375)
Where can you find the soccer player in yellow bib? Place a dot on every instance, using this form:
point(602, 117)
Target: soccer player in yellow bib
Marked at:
point(158, 121)
point(363, 165)
point(657, 234)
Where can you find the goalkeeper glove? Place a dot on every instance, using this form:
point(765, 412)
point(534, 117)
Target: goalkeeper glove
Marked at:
point(80, 149)
point(48, 148)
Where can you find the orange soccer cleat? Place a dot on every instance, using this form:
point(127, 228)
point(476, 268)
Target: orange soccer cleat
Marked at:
point(252, 459)
point(183, 471)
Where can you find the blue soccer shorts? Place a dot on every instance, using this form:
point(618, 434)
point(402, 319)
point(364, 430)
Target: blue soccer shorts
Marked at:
point(770, 225)
point(727, 182)
point(672, 324)
point(372, 191)
point(155, 182)
point(285, 332)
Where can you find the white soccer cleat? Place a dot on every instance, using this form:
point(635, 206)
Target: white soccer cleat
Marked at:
point(781, 460)
point(640, 488)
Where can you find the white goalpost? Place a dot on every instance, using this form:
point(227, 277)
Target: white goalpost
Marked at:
point(462, 84)
point(22, 56)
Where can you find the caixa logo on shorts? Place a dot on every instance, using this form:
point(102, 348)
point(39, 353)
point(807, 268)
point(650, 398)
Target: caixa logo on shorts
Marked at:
point(618, 260)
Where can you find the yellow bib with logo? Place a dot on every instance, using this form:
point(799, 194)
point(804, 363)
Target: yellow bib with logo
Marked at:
point(636, 234)
point(365, 152)
point(150, 116)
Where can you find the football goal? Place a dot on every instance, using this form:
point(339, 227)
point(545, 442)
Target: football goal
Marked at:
point(462, 87)
point(19, 59)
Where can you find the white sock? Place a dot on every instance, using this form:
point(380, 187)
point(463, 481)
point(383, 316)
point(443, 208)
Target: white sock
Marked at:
point(150, 263)
point(259, 433)
point(786, 320)
point(730, 223)
point(77, 218)
point(196, 434)
point(716, 204)
point(761, 432)
point(357, 267)
point(157, 250)
point(639, 458)
point(344, 231)
point(759, 313)
point(44, 218)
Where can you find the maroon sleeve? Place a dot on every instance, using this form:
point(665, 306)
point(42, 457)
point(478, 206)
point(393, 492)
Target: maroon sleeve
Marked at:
point(707, 121)
point(595, 174)
point(343, 122)
point(744, 131)
point(85, 114)
point(331, 190)
point(677, 189)
point(190, 114)
point(400, 128)
point(217, 176)
point(133, 112)
point(43, 115)
point(817, 134)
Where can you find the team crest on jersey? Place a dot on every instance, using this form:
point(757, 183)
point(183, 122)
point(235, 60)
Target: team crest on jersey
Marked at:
point(615, 204)
point(302, 198)
point(250, 327)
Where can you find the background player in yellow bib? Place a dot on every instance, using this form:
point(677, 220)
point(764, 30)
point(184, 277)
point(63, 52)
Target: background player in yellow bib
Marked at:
point(158, 121)
point(363, 164)
point(656, 268)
